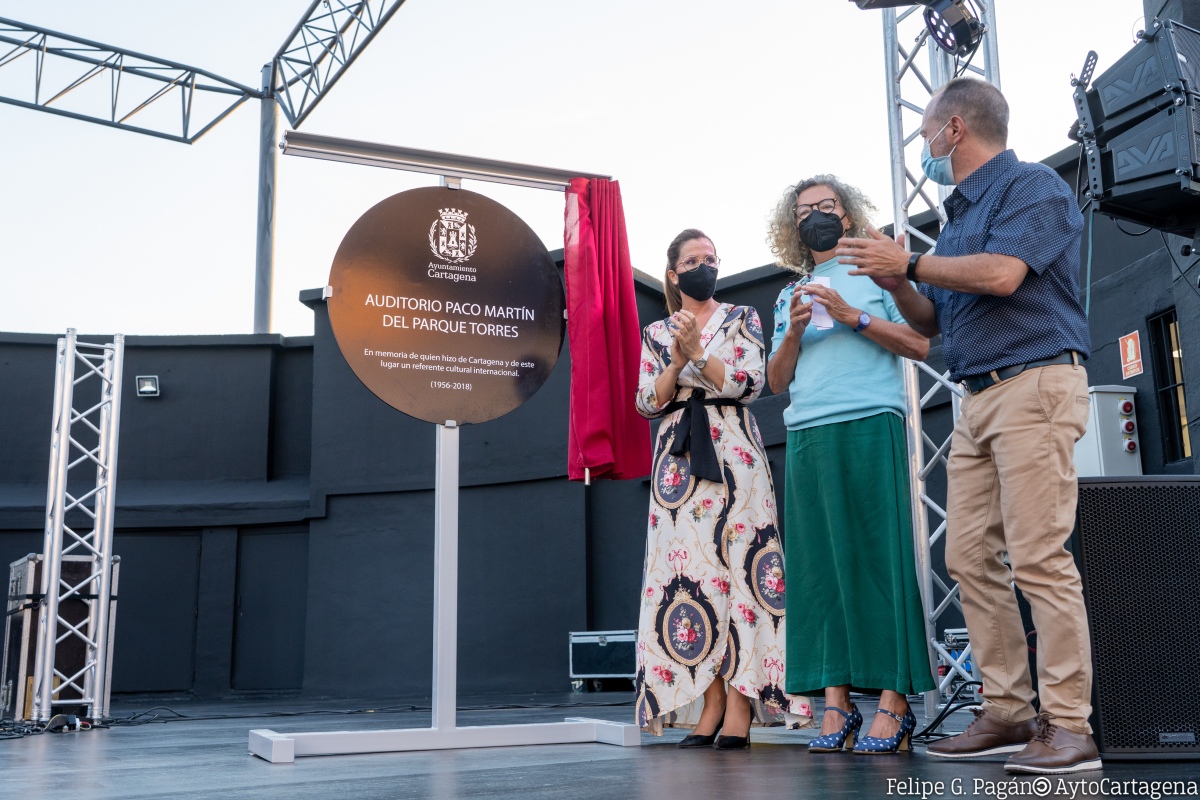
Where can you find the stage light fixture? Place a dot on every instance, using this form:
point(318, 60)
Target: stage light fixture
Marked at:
point(147, 385)
point(956, 25)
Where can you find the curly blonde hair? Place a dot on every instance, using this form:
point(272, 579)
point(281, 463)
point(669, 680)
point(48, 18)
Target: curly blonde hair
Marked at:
point(783, 235)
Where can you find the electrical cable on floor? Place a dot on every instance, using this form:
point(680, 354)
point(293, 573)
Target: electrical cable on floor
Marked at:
point(950, 707)
point(19, 729)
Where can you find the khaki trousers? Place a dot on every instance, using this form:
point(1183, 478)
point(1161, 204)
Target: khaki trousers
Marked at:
point(1013, 488)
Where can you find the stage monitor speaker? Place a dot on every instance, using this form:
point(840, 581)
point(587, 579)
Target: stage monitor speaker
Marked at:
point(1137, 541)
point(1139, 122)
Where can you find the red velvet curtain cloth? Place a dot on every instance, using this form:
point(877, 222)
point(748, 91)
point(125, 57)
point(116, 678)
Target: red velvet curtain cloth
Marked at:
point(607, 436)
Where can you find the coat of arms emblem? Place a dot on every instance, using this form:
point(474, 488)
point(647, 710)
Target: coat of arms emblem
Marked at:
point(450, 237)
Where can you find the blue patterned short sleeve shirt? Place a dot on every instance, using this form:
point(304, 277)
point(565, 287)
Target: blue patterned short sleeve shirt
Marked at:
point(1012, 208)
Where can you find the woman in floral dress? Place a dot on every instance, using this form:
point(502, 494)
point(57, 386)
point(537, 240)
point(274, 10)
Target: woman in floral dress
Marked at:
point(712, 606)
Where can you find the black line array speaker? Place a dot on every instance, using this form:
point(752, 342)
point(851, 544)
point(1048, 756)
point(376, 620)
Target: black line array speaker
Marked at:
point(1137, 543)
point(1140, 126)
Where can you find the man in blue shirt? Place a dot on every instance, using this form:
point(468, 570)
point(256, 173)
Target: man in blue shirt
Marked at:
point(1003, 291)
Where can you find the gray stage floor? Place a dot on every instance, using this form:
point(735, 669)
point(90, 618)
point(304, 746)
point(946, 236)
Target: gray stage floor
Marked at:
point(207, 758)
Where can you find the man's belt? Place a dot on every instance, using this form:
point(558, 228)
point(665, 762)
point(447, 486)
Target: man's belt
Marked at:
point(977, 383)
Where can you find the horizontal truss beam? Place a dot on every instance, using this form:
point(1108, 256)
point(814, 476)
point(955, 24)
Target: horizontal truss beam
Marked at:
point(136, 82)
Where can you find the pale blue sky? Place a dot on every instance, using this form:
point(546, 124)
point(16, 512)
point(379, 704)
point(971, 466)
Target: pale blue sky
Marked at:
point(705, 111)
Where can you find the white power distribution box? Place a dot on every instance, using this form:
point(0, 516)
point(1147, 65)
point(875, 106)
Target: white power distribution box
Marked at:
point(1111, 445)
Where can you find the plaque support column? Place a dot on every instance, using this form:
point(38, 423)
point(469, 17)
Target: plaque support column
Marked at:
point(443, 733)
point(445, 579)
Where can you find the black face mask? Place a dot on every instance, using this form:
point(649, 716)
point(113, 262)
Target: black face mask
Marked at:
point(699, 283)
point(821, 231)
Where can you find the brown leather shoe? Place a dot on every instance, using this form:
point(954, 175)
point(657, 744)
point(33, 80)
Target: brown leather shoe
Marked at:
point(1055, 750)
point(988, 735)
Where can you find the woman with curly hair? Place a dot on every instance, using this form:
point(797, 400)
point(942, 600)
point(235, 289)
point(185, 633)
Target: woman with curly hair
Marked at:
point(712, 602)
point(855, 619)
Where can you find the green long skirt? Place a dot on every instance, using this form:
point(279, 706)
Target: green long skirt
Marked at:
point(854, 612)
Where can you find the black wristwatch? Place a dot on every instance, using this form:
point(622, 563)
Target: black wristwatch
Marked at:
point(912, 267)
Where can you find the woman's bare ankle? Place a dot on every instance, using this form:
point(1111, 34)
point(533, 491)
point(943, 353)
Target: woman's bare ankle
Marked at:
point(738, 715)
point(709, 720)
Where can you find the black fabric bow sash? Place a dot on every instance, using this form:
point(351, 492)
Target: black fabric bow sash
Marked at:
point(696, 438)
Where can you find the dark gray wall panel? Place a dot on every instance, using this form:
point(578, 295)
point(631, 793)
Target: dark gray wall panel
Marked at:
point(272, 589)
point(211, 422)
point(154, 649)
point(369, 609)
point(27, 400)
point(215, 610)
point(522, 588)
point(522, 585)
point(15, 545)
point(291, 410)
point(617, 515)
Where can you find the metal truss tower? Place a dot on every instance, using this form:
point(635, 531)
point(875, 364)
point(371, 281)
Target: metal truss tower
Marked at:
point(94, 82)
point(84, 444)
point(909, 89)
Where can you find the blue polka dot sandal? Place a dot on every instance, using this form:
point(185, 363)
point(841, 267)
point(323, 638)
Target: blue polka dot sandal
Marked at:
point(841, 740)
point(873, 745)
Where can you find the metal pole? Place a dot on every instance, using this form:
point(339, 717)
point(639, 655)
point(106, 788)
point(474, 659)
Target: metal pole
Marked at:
point(912, 386)
point(991, 50)
point(920, 520)
point(268, 155)
point(60, 447)
point(895, 125)
point(445, 579)
point(449, 166)
point(102, 563)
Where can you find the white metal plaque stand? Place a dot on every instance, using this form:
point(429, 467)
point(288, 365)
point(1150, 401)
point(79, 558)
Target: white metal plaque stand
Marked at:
point(444, 734)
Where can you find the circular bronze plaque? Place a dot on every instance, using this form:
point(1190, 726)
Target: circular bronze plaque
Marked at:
point(446, 305)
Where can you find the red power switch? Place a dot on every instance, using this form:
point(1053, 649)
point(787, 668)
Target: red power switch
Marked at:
point(1130, 446)
point(1126, 407)
point(1128, 426)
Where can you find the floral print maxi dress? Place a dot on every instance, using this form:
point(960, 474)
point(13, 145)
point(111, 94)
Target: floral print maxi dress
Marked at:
point(712, 600)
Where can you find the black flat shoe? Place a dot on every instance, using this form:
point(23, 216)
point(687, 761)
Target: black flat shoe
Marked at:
point(696, 740)
point(732, 742)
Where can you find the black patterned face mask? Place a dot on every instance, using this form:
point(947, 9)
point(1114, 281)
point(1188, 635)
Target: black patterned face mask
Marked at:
point(821, 231)
point(699, 283)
